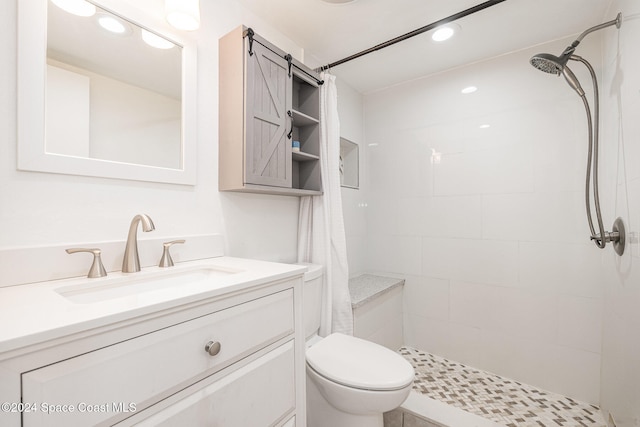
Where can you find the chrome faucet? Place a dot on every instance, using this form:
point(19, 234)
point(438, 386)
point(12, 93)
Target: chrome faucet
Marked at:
point(131, 260)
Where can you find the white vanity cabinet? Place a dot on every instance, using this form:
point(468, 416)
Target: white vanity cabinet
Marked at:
point(232, 360)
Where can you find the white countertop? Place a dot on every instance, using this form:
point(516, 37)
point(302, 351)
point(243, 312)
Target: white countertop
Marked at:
point(38, 312)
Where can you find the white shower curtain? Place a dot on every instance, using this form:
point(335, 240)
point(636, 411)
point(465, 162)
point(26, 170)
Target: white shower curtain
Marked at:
point(321, 236)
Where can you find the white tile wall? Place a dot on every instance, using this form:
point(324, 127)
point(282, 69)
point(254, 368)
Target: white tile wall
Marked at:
point(572, 268)
point(422, 332)
point(393, 253)
point(452, 216)
point(472, 304)
point(580, 323)
point(482, 261)
point(426, 297)
point(464, 342)
point(621, 172)
point(488, 225)
point(535, 217)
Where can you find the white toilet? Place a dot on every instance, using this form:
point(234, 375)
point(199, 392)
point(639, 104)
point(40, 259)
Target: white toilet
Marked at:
point(351, 382)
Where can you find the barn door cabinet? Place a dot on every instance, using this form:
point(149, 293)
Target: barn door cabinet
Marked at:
point(267, 101)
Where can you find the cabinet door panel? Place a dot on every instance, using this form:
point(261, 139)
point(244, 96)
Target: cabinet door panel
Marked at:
point(258, 394)
point(268, 149)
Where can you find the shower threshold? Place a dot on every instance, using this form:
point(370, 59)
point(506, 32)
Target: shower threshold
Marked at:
point(449, 394)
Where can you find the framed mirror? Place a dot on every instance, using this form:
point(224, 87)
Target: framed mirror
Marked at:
point(108, 94)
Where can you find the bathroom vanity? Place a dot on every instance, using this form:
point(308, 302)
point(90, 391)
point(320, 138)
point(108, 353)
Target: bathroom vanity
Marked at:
point(211, 342)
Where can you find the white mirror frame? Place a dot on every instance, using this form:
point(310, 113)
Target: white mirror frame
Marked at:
point(32, 53)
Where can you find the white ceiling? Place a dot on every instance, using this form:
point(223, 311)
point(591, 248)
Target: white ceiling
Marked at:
point(330, 32)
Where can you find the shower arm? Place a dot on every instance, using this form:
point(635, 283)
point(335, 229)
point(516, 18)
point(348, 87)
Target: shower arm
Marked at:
point(571, 48)
point(615, 22)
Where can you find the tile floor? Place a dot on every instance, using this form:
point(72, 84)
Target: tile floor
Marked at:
point(503, 401)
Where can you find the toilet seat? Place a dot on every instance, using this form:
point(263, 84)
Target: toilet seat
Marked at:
point(357, 363)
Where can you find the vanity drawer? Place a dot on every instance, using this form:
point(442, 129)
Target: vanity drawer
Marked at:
point(266, 386)
point(110, 383)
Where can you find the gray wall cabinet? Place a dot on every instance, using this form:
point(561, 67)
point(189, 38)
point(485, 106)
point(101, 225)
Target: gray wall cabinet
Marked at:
point(267, 101)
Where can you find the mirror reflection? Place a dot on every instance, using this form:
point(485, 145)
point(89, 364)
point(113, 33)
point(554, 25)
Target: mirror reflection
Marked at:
point(113, 90)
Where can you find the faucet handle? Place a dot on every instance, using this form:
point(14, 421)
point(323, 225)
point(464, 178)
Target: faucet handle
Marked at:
point(97, 269)
point(166, 260)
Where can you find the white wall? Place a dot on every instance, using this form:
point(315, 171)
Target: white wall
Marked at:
point(488, 224)
point(621, 187)
point(49, 209)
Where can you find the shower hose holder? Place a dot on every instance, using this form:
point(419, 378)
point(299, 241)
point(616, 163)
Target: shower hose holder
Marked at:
point(616, 236)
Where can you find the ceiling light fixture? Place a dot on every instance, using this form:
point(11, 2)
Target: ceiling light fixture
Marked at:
point(444, 32)
point(469, 89)
point(155, 40)
point(76, 7)
point(183, 14)
point(112, 24)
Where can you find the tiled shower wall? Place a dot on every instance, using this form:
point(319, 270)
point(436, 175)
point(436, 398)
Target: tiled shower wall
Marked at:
point(621, 180)
point(487, 224)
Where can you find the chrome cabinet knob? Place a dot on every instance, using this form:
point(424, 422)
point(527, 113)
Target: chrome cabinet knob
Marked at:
point(213, 348)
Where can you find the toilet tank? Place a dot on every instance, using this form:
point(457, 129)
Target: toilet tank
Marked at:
point(312, 293)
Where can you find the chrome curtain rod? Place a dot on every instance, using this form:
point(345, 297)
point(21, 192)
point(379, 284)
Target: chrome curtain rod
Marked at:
point(413, 33)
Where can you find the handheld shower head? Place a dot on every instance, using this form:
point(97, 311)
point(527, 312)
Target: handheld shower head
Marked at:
point(558, 65)
point(572, 80)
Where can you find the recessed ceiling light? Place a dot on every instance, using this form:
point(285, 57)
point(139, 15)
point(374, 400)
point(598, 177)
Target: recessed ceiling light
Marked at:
point(112, 24)
point(76, 7)
point(469, 89)
point(485, 126)
point(444, 32)
point(155, 40)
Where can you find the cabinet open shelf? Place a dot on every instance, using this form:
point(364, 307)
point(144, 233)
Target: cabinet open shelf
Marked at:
point(306, 175)
point(299, 156)
point(301, 119)
point(306, 96)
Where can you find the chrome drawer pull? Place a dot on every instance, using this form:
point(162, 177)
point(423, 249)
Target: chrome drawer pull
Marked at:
point(212, 347)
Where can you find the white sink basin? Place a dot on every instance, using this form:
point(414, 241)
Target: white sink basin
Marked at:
point(97, 290)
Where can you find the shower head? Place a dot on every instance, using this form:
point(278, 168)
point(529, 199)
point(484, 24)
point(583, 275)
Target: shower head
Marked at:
point(549, 63)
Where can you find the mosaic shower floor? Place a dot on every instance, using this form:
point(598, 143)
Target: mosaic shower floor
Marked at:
point(499, 399)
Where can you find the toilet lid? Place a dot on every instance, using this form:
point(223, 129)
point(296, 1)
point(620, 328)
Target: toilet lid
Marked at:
point(357, 363)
